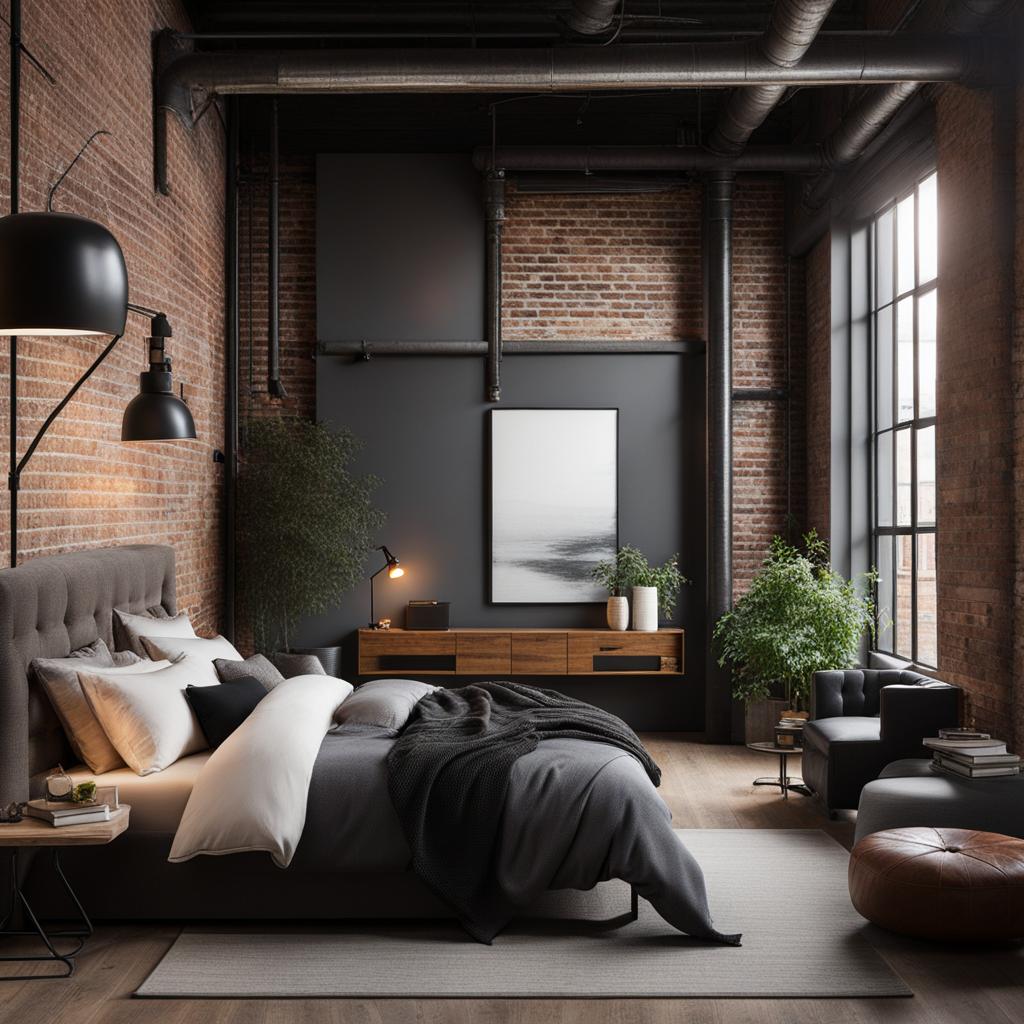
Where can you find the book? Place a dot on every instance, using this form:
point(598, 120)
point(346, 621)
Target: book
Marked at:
point(953, 768)
point(963, 734)
point(980, 760)
point(965, 746)
point(65, 814)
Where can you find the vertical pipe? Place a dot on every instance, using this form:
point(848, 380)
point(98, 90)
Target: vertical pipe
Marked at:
point(494, 199)
point(274, 387)
point(231, 364)
point(718, 194)
point(15, 131)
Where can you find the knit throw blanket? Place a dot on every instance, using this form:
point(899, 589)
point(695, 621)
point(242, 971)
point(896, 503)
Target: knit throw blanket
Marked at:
point(448, 775)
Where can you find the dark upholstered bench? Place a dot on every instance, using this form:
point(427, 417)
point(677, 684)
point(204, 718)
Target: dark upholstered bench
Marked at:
point(863, 719)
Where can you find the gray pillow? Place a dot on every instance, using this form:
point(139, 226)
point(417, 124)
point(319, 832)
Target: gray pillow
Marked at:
point(258, 667)
point(298, 664)
point(59, 678)
point(381, 704)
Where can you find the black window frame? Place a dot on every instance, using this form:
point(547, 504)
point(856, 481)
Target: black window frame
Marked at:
point(914, 425)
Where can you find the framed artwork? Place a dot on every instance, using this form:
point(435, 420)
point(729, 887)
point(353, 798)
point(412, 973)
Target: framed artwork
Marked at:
point(554, 503)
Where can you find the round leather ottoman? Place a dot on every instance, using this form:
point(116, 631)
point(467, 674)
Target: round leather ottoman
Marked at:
point(941, 883)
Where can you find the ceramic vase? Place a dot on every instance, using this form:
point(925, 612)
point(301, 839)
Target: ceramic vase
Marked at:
point(645, 609)
point(618, 613)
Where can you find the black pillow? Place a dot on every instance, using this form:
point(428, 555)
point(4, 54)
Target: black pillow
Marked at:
point(222, 709)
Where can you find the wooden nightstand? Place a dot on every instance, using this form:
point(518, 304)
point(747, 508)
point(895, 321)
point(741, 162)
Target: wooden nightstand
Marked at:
point(31, 834)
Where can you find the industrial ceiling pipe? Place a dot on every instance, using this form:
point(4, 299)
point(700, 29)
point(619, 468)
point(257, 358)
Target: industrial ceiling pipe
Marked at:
point(590, 17)
point(792, 28)
point(875, 109)
point(587, 159)
point(494, 209)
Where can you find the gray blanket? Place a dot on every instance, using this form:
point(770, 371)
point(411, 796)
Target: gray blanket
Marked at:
point(577, 813)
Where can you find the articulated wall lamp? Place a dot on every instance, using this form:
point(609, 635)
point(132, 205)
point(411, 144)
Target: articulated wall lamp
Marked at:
point(65, 275)
point(395, 571)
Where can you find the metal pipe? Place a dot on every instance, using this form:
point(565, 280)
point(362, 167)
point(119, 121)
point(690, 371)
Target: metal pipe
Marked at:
point(274, 385)
point(494, 202)
point(591, 17)
point(604, 346)
point(873, 111)
point(587, 159)
point(15, 154)
point(233, 325)
point(718, 195)
point(792, 28)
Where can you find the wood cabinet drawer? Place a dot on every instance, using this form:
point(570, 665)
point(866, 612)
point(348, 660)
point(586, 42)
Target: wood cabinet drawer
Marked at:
point(625, 652)
point(479, 653)
point(539, 653)
point(388, 650)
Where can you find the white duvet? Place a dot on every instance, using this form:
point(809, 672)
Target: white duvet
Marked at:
point(252, 792)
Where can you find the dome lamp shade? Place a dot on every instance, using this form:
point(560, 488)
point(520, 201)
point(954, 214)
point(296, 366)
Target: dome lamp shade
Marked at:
point(60, 275)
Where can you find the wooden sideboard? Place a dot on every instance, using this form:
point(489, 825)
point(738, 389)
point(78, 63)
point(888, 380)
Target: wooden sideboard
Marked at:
point(521, 652)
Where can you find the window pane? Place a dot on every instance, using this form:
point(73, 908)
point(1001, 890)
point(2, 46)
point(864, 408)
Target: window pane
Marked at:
point(927, 610)
point(926, 476)
point(927, 230)
point(904, 596)
point(883, 258)
point(903, 508)
point(905, 245)
point(883, 480)
point(883, 369)
point(905, 359)
point(883, 641)
point(926, 353)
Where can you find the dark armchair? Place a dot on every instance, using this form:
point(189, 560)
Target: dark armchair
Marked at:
point(862, 720)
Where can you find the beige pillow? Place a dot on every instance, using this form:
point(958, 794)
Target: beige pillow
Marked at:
point(145, 715)
point(135, 627)
point(197, 647)
point(59, 678)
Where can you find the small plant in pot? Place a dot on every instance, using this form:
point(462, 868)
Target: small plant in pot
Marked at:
point(798, 617)
point(653, 588)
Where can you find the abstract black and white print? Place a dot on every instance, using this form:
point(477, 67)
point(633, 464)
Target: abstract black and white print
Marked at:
point(554, 503)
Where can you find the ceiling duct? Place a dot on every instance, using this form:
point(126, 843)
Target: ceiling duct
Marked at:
point(791, 30)
point(590, 17)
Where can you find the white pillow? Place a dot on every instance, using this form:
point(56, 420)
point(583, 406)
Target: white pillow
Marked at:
point(195, 647)
point(145, 715)
point(137, 626)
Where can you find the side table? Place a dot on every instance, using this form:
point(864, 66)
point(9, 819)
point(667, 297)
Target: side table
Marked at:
point(31, 834)
point(784, 781)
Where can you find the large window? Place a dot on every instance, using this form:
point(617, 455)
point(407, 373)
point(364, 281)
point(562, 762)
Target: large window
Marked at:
point(904, 256)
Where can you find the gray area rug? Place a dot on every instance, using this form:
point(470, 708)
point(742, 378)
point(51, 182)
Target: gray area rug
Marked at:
point(786, 890)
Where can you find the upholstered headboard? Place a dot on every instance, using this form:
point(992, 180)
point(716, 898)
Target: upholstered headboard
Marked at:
point(50, 606)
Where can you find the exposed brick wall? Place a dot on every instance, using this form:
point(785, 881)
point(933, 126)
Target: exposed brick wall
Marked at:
point(819, 384)
point(84, 488)
point(974, 433)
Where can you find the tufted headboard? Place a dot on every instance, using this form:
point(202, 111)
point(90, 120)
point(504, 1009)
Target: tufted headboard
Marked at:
point(50, 606)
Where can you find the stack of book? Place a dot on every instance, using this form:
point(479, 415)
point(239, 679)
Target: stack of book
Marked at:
point(971, 755)
point(59, 814)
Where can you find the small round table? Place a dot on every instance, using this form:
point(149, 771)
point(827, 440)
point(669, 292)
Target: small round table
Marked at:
point(784, 781)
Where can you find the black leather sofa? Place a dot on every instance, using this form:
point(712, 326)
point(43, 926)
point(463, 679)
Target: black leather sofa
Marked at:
point(863, 719)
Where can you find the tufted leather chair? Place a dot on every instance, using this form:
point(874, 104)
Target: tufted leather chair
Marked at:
point(865, 718)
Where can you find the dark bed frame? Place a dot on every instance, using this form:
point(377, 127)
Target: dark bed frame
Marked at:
point(52, 605)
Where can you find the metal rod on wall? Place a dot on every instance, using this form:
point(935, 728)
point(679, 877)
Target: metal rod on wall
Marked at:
point(494, 203)
point(605, 346)
point(15, 140)
point(231, 366)
point(274, 386)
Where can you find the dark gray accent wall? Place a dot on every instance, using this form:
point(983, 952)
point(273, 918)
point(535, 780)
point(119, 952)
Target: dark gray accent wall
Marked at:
point(425, 430)
point(400, 247)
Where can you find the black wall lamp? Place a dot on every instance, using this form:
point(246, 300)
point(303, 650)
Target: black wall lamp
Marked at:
point(394, 572)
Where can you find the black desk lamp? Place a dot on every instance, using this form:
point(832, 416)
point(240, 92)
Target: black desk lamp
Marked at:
point(394, 572)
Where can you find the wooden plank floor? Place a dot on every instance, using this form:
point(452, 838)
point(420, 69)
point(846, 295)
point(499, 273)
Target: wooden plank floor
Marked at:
point(706, 787)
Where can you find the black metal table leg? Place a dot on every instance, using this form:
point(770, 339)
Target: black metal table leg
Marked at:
point(785, 782)
point(53, 955)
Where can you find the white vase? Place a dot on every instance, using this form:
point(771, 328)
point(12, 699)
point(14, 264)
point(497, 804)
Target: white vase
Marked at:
point(618, 613)
point(645, 609)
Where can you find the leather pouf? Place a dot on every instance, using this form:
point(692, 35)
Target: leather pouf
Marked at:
point(941, 883)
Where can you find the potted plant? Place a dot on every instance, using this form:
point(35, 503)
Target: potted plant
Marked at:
point(653, 587)
point(305, 525)
point(798, 617)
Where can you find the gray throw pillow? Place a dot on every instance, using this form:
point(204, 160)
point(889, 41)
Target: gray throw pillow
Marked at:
point(381, 704)
point(298, 664)
point(258, 667)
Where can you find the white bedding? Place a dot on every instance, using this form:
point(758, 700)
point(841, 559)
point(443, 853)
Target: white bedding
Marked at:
point(158, 800)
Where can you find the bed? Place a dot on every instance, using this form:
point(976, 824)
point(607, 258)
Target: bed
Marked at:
point(53, 605)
